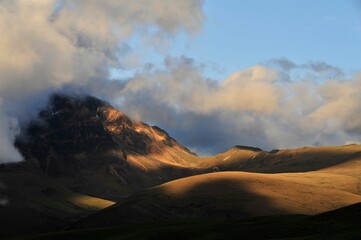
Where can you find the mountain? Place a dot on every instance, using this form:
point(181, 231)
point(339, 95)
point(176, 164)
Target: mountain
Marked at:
point(81, 154)
point(99, 151)
point(89, 165)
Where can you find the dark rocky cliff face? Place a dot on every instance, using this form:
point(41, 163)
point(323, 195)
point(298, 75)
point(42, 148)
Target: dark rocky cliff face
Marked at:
point(71, 126)
point(86, 139)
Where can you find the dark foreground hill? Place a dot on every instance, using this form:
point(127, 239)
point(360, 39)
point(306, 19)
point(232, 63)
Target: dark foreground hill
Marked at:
point(340, 224)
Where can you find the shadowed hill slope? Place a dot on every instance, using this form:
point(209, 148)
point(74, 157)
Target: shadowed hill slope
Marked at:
point(35, 202)
point(339, 224)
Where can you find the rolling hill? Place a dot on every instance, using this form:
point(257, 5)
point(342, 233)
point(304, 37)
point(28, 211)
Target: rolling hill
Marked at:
point(282, 160)
point(230, 196)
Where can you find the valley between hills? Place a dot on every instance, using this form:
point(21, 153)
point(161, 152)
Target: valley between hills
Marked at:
point(90, 172)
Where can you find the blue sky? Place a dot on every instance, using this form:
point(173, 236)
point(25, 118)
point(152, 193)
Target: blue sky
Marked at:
point(240, 34)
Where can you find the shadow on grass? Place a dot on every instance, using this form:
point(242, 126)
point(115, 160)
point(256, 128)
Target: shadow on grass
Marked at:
point(271, 227)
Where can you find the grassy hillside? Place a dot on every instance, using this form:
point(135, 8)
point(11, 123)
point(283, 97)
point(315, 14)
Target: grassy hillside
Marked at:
point(282, 160)
point(230, 195)
point(310, 181)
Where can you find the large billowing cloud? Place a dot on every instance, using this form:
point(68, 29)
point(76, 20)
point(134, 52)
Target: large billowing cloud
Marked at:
point(52, 44)
point(256, 106)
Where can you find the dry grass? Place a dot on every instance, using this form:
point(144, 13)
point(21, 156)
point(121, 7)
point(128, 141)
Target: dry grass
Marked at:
point(261, 194)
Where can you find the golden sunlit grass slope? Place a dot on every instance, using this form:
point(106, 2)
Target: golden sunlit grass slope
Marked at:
point(330, 167)
point(232, 195)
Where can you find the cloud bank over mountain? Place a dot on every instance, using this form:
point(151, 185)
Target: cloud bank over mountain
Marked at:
point(256, 106)
point(51, 45)
point(73, 45)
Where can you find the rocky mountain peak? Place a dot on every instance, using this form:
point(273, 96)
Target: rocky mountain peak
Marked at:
point(74, 131)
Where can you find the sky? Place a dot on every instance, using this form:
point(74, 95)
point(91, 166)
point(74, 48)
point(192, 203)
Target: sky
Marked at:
point(214, 74)
point(239, 34)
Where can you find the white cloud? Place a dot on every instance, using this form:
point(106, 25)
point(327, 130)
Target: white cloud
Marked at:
point(254, 106)
point(47, 45)
point(8, 130)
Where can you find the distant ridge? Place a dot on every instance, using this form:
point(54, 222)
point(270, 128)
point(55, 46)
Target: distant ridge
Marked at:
point(254, 149)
